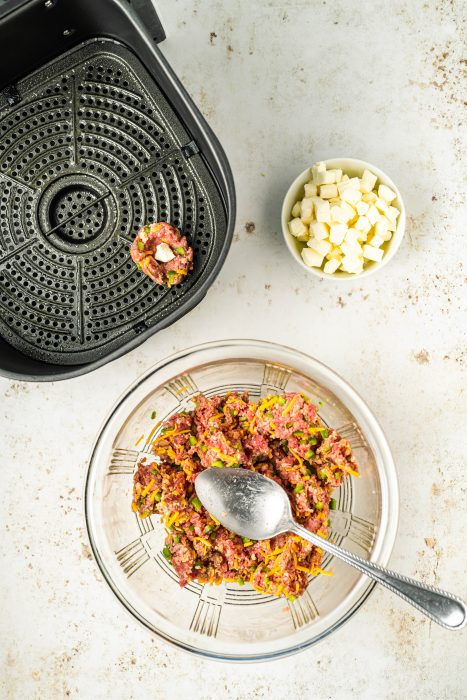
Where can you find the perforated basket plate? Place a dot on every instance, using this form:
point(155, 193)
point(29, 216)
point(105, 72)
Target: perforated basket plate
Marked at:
point(90, 153)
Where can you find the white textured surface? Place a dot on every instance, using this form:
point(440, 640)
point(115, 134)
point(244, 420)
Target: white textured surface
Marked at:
point(282, 84)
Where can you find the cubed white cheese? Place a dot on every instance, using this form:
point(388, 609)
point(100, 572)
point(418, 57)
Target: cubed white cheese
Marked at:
point(319, 230)
point(368, 181)
point(322, 210)
point(331, 266)
point(381, 205)
point(348, 211)
point(316, 169)
point(321, 247)
point(351, 249)
point(306, 210)
point(337, 233)
point(373, 215)
point(351, 195)
point(376, 241)
point(362, 224)
point(337, 174)
point(296, 210)
point(392, 214)
point(325, 177)
point(370, 197)
point(386, 193)
point(328, 191)
point(372, 253)
point(164, 253)
point(362, 208)
point(382, 227)
point(310, 190)
point(335, 253)
point(352, 264)
point(344, 178)
point(353, 183)
point(336, 214)
point(297, 228)
point(352, 236)
point(312, 258)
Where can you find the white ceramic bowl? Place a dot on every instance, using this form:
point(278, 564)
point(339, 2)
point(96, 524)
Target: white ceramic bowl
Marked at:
point(352, 167)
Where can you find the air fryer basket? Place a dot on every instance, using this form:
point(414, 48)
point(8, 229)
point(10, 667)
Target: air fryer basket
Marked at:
point(95, 141)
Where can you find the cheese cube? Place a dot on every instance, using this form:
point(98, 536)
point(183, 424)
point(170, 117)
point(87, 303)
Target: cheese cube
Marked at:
point(331, 266)
point(353, 183)
point(381, 205)
point(296, 210)
point(328, 191)
point(306, 210)
point(336, 214)
point(322, 210)
point(361, 235)
point(382, 228)
point(164, 253)
point(312, 258)
point(392, 225)
point(371, 253)
point(352, 264)
point(362, 208)
point(337, 175)
point(344, 178)
point(316, 169)
point(362, 224)
point(352, 236)
point(351, 195)
point(351, 249)
point(348, 211)
point(373, 215)
point(298, 229)
point(310, 190)
point(325, 177)
point(368, 181)
point(335, 253)
point(386, 193)
point(370, 197)
point(376, 241)
point(334, 201)
point(337, 233)
point(321, 247)
point(319, 230)
point(392, 214)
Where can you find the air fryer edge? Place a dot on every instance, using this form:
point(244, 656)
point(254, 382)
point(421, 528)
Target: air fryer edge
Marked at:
point(114, 19)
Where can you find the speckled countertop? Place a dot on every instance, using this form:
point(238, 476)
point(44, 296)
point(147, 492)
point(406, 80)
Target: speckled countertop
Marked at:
point(283, 84)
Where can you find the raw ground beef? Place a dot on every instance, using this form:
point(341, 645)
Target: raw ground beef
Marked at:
point(283, 438)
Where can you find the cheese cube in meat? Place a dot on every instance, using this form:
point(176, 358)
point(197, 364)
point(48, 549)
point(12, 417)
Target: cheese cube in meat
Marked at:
point(337, 233)
point(322, 210)
point(164, 253)
point(331, 266)
point(386, 193)
point(328, 191)
point(319, 230)
point(351, 196)
point(373, 215)
point(311, 190)
point(312, 258)
point(372, 253)
point(368, 181)
point(298, 229)
point(306, 210)
point(321, 247)
point(296, 210)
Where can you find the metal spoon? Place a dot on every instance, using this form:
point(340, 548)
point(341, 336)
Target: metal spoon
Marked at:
point(253, 506)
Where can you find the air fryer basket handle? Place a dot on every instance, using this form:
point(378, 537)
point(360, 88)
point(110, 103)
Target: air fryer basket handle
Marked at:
point(147, 13)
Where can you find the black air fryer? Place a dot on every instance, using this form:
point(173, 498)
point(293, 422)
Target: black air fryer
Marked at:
point(97, 138)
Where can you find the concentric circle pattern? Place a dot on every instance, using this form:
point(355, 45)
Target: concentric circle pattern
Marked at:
point(92, 151)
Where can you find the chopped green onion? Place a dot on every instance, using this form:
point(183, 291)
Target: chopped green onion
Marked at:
point(147, 229)
point(292, 598)
point(313, 441)
point(299, 488)
point(204, 448)
point(310, 454)
point(231, 411)
point(140, 245)
point(269, 415)
point(218, 463)
point(281, 401)
point(247, 541)
point(319, 506)
point(207, 529)
point(320, 403)
point(167, 429)
point(329, 522)
point(298, 433)
point(322, 475)
point(180, 250)
point(175, 539)
point(196, 503)
point(153, 415)
point(158, 496)
point(332, 504)
point(240, 581)
point(193, 440)
point(167, 554)
point(139, 266)
point(324, 433)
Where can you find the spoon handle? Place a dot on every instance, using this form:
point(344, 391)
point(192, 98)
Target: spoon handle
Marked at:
point(441, 607)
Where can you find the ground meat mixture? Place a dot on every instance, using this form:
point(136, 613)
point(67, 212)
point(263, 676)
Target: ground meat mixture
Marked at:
point(162, 253)
point(280, 436)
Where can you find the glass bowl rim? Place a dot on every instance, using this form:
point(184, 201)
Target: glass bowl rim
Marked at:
point(389, 471)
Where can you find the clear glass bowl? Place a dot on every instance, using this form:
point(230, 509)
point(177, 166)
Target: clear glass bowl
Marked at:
point(232, 622)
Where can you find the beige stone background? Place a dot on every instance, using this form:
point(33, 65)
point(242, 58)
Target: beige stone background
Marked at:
point(283, 84)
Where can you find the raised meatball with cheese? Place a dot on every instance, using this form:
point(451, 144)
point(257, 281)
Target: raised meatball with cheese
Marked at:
point(162, 252)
